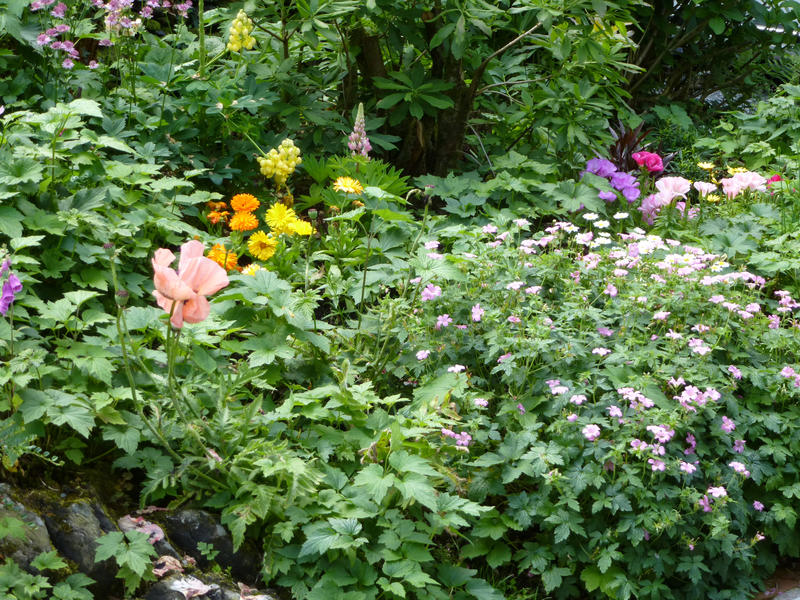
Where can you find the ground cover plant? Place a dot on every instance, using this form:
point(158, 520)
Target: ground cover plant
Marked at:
point(380, 287)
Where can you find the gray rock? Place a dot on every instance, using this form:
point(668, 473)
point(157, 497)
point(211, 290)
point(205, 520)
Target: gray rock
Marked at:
point(793, 594)
point(187, 528)
point(36, 539)
point(74, 529)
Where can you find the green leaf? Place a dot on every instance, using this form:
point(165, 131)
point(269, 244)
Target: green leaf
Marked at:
point(108, 545)
point(10, 222)
point(415, 488)
point(404, 462)
point(441, 35)
point(481, 590)
point(374, 481)
point(49, 561)
point(86, 107)
point(319, 539)
point(592, 578)
point(553, 578)
point(717, 25)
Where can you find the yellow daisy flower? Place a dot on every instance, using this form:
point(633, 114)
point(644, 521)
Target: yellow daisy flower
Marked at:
point(244, 203)
point(243, 221)
point(348, 185)
point(735, 170)
point(713, 198)
point(706, 166)
point(251, 269)
point(298, 227)
point(262, 245)
point(278, 218)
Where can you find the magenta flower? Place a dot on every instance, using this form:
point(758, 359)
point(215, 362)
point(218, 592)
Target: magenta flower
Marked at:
point(705, 504)
point(11, 287)
point(504, 357)
point(572, 417)
point(656, 464)
point(67, 64)
point(521, 409)
point(514, 319)
point(649, 160)
point(611, 290)
point(739, 468)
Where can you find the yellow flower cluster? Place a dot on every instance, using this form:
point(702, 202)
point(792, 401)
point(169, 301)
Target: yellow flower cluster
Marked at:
point(239, 35)
point(282, 219)
point(280, 163)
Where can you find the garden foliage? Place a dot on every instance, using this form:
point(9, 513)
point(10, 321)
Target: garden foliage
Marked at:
point(552, 375)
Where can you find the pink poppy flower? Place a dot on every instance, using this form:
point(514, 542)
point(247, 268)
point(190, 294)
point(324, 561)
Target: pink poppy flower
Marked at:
point(183, 293)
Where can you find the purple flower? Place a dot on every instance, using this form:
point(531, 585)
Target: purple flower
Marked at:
point(456, 369)
point(443, 321)
point(605, 331)
point(620, 181)
point(738, 446)
point(631, 193)
point(67, 64)
point(717, 492)
point(688, 467)
point(758, 506)
point(358, 142)
point(59, 10)
point(656, 464)
point(477, 313)
point(704, 502)
point(423, 354)
point(481, 402)
point(430, 292)
point(737, 374)
point(572, 417)
point(11, 288)
point(504, 357)
point(105, 42)
point(607, 196)
point(591, 432)
point(521, 409)
point(6, 266)
point(514, 319)
point(727, 425)
point(601, 167)
point(739, 468)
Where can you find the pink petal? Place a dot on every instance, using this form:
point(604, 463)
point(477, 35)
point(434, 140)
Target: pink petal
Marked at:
point(164, 302)
point(168, 283)
point(196, 309)
point(163, 257)
point(177, 316)
point(189, 250)
point(204, 276)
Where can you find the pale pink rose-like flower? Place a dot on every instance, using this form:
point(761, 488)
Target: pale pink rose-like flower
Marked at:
point(431, 245)
point(672, 187)
point(423, 354)
point(704, 187)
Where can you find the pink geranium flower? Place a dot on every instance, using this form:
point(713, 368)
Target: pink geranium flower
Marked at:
point(182, 293)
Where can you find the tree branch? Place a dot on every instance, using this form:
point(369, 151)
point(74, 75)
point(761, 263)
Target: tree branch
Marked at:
point(478, 74)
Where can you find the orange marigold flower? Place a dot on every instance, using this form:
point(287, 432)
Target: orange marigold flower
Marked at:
point(243, 221)
point(244, 203)
point(224, 258)
point(215, 217)
point(216, 206)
